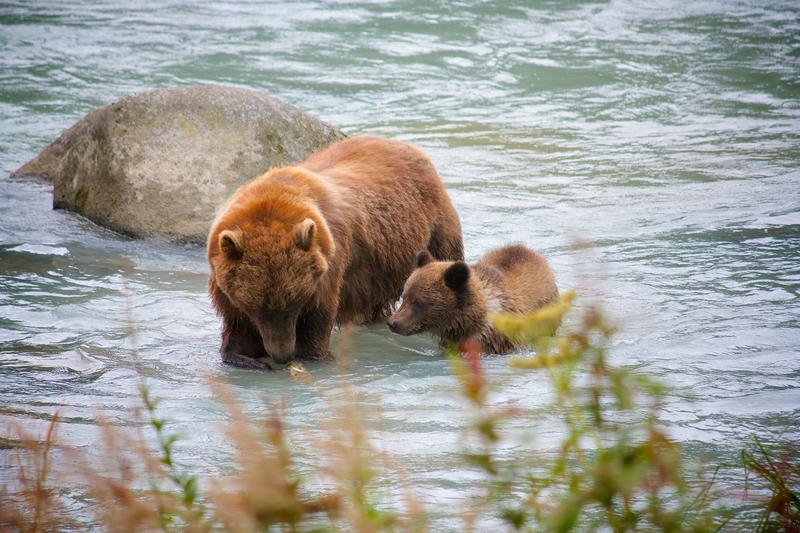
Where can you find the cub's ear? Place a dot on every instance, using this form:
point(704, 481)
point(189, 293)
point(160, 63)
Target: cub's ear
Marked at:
point(230, 243)
point(456, 277)
point(423, 258)
point(304, 234)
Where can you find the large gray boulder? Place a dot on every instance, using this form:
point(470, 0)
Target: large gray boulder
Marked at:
point(161, 163)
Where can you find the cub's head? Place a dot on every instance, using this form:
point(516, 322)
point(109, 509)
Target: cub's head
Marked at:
point(270, 271)
point(436, 297)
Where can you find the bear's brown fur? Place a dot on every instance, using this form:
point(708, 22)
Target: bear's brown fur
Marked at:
point(330, 240)
point(453, 300)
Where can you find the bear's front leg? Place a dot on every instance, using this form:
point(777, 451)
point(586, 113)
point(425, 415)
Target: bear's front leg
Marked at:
point(314, 334)
point(241, 343)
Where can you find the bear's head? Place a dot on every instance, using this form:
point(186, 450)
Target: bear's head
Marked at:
point(440, 297)
point(270, 268)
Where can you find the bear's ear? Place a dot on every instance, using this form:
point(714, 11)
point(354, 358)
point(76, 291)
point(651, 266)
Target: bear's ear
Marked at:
point(456, 277)
point(304, 234)
point(423, 258)
point(230, 243)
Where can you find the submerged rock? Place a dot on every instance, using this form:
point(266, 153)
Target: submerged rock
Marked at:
point(161, 163)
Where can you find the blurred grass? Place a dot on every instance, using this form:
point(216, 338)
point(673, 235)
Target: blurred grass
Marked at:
point(776, 471)
point(615, 468)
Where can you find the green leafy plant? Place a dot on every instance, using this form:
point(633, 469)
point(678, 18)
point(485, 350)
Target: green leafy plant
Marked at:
point(184, 483)
point(615, 468)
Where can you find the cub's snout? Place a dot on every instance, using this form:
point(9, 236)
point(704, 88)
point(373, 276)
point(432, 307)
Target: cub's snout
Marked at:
point(397, 324)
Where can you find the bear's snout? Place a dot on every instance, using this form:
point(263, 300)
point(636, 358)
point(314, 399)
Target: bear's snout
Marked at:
point(282, 354)
point(398, 325)
point(277, 330)
point(281, 350)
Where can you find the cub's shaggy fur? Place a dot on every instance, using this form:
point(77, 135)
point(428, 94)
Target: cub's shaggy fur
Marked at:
point(453, 300)
point(330, 240)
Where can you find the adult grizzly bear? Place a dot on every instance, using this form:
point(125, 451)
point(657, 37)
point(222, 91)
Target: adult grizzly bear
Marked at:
point(330, 240)
point(453, 300)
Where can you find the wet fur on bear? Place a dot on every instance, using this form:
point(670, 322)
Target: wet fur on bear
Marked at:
point(453, 300)
point(330, 240)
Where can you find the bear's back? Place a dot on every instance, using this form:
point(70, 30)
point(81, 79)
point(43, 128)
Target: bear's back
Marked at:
point(528, 282)
point(372, 160)
point(389, 204)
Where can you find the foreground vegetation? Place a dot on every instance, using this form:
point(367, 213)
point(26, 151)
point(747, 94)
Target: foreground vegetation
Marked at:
point(616, 469)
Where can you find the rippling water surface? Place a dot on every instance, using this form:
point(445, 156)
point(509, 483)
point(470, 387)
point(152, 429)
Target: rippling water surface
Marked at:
point(667, 133)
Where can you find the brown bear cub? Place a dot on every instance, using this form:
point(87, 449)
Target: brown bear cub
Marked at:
point(330, 240)
point(453, 300)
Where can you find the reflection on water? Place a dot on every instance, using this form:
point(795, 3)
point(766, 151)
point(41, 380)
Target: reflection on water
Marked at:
point(666, 133)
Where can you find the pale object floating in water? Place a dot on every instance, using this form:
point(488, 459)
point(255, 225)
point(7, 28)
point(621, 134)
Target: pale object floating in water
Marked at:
point(296, 369)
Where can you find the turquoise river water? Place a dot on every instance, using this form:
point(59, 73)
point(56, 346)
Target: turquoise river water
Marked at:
point(665, 133)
